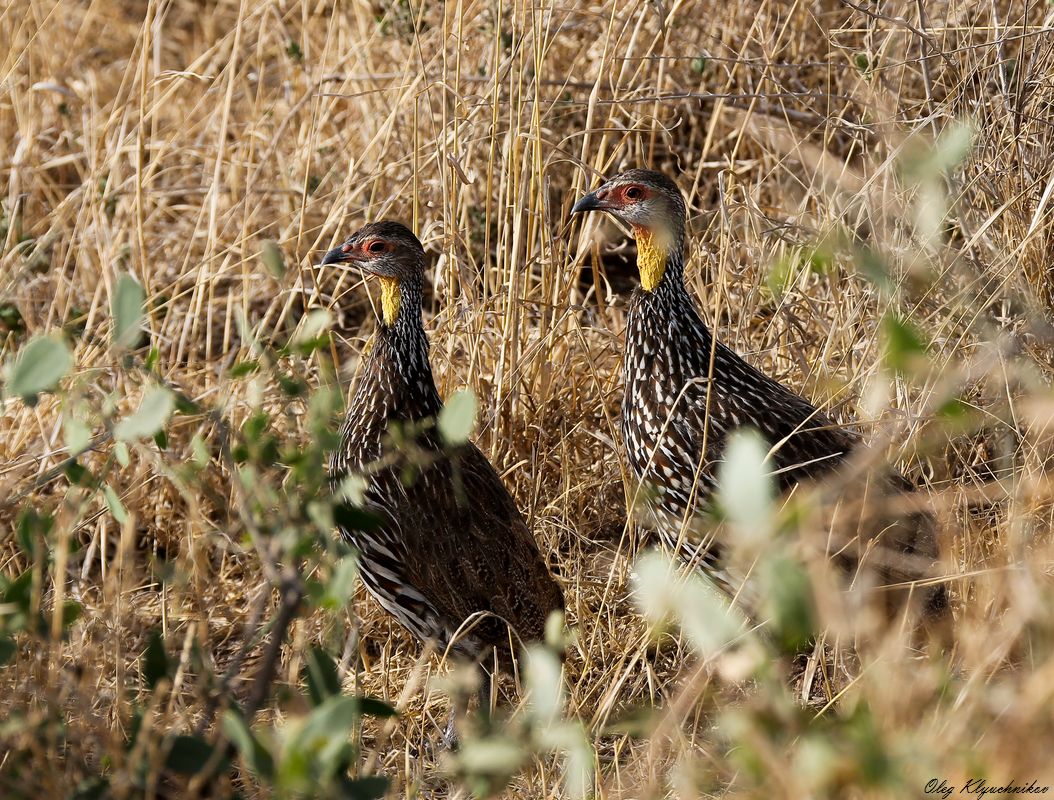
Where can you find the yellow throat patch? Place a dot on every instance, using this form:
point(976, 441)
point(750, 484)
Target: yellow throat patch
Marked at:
point(390, 299)
point(651, 257)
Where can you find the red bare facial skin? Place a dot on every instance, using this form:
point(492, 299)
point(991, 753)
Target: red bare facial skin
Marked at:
point(623, 196)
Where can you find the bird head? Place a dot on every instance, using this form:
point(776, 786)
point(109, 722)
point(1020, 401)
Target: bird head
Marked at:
point(654, 209)
point(388, 251)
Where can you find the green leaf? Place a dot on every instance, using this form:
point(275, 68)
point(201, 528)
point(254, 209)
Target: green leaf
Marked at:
point(273, 260)
point(115, 505)
point(788, 601)
point(38, 367)
point(184, 405)
point(821, 258)
point(199, 452)
point(697, 606)
point(556, 636)
point(77, 474)
point(32, 530)
point(128, 300)
point(324, 405)
point(953, 146)
point(7, 649)
point(637, 722)
point(313, 325)
point(71, 612)
point(188, 755)
point(903, 347)
point(352, 490)
point(255, 426)
point(309, 346)
point(257, 757)
point(957, 414)
point(341, 586)
point(292, 386)
point(157, 406)
point(351, 518)
point(76, 434)
point(458, 417)
point(924, 164)
point(545, 689)
point(320, 674)
point(368, 787)
point(781, 275)
point(19, 592)
point(154, 664)
point(745, 485)
point(579, 762)
point(491, 756)
point(374, 707)
point(18, 596)
point(323, 738)
point(243, 368)
point(11, 318)
point(14, 724)
point(120, 452)
point(873, 266)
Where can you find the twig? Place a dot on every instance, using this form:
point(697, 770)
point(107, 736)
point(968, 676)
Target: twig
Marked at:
point(927, 79)
point(291, 592)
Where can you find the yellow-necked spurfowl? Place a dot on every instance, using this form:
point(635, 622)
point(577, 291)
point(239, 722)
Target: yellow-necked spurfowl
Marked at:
point(685, 393)
point(452, 551)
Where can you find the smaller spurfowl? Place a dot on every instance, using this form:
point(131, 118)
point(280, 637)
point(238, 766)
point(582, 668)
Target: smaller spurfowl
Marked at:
point(685, 393)
point(452, 559)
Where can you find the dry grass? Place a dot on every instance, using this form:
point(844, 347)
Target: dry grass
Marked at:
point(172, 138)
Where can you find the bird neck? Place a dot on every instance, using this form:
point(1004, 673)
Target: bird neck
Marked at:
point(403, 347)
point(401, 308)
point(660, 257)
point(391, 299)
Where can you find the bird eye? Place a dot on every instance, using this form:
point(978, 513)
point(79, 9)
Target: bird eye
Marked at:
point(376, 247)
point(634, 193)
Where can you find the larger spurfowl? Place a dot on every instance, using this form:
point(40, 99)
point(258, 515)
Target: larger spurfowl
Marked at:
point(452, 559)
point(684, 393)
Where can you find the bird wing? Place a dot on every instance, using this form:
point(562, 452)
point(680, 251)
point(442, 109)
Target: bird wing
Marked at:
point(806, 441)
point(467, 550)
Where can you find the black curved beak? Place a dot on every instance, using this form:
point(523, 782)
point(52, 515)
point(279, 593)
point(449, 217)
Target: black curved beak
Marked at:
point(338, 255)
point(588, 203)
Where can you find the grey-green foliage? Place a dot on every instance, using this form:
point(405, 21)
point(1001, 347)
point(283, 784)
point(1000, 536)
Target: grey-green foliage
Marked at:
point(128, 314)
point(551, 731)
point(777, 588)
point(153, 412)
point(282, 511)
point(75, 433)
point(457, 420)
point(930, 168)
point(745, 487)
point(310, 754)
point(273, 260)
point(488, 756)
point(38, 367)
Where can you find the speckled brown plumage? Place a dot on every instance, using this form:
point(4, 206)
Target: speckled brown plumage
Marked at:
point(679, 408)
point(453, 559)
